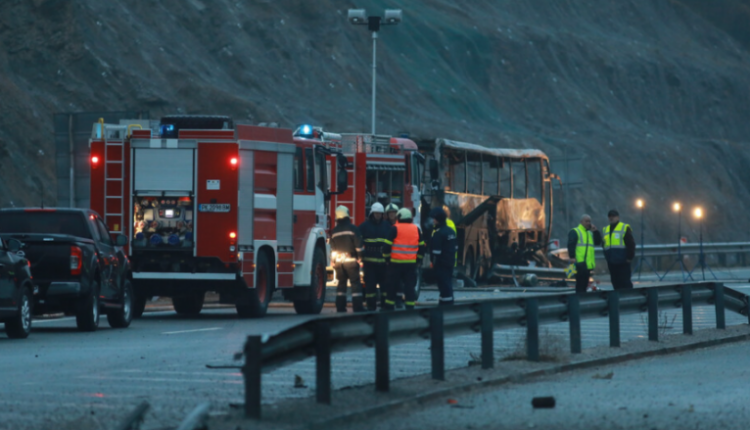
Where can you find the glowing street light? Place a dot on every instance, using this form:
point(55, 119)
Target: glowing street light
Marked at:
point(698, 213)
point(677, 207)
point(640, 204)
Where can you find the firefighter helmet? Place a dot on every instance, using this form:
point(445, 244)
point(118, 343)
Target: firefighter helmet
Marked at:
point(377, 208)
point(342, 212)
point(391, 208)
point(404, 214)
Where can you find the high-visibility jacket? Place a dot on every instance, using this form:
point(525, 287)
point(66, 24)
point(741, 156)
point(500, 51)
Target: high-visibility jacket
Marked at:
point(585, 247)
point(374, 235)
point(404, 243)
point(452, 226)
point(614, 243)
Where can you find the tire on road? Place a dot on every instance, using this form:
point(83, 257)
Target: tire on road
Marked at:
point(314, 304)
point(19, 327)
point(121, 317)
point(190, 305)
point(258, 298)
point(139, 303)
point(87, 313)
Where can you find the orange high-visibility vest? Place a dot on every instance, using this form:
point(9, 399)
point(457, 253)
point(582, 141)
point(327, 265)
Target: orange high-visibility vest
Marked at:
point(406, 245)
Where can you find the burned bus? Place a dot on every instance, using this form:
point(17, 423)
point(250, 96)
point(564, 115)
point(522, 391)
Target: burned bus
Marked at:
point(500, 200)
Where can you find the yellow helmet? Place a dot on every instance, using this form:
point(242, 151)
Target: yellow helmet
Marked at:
point(391, 208)
point(404, 214)
point(342, 212)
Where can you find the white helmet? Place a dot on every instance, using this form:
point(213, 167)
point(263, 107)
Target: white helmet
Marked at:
point(377, 208)
point(392, 208)
point(342, 212)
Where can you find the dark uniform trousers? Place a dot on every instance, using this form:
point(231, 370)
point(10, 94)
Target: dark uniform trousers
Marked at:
point(582, 278)
point(444, 277)
point(620, 275)
point(401, 277)
point(375, 274)
point(348, 271)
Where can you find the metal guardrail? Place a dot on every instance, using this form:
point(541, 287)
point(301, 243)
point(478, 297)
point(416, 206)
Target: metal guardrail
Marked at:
point(687, 248)
point(321, 337)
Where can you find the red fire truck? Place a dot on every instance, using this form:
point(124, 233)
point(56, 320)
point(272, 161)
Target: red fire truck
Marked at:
point(209, 206)
point(381, 169)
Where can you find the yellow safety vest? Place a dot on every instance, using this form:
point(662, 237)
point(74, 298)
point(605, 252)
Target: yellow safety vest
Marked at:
point(614, 243)
point(585, 247)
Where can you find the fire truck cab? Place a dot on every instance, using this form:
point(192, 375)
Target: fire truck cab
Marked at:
point(210, 206)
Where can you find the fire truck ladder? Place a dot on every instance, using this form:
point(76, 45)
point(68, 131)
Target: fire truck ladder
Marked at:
point(114, 177)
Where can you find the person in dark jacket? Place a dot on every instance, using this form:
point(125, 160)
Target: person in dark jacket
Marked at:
point(582, 242)
point(346, 247)
point(374, 232)
point(443, 248)
point(403, 250)
point(619, 250)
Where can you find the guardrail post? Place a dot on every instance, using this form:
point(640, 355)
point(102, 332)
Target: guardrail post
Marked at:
point(437, 344)
point(687, 309)
point(532, 330)
point(323, 363)
point(485, 316)
point(719, 303)
point(252, 374)
point(653, 314)
point(613, 300)
point(574, 318)
point(382, 365)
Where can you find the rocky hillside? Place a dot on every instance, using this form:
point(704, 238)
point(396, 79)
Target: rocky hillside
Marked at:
point(655, 94)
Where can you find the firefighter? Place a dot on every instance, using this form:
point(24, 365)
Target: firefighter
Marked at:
point(619, 250)
point(403, 249)
point(443, 248)
point(452, 226)
point(374, 232)
point(346, 247)
point(391, 212)
point(582, 242)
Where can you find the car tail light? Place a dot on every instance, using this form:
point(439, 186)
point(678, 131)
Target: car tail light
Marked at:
point(76, 260)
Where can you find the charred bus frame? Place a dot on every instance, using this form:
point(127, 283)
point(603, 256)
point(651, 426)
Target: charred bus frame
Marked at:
point(500, 200)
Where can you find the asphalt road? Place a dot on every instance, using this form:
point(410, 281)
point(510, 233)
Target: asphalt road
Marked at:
point(91, 380)
point(705, 389)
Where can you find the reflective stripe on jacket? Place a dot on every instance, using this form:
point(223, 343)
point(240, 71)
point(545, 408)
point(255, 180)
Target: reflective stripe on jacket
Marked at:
point(585, 247)
point(404, 243)
point(613, 243)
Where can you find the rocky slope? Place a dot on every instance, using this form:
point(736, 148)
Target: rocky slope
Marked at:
point(654, 93)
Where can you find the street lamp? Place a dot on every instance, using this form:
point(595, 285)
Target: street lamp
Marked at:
point(677, 207)
point(640, 204)
point(698, 215)
point(373, 23)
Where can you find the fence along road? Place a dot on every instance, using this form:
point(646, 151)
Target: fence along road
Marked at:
point(321, 337)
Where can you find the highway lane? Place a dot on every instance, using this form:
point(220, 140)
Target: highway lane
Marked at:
point(62, 374)
point(704, 389)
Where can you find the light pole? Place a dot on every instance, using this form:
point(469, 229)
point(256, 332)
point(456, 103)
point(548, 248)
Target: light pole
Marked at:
point(640, 204)
point(698, 214)
point(373, 23)
point(677, 207)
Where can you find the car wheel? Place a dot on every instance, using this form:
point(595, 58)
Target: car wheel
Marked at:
point(121, 317)
point(87, 315)
point(189, 305)
point(20, 326)
point(260, 296)
point(314, 304)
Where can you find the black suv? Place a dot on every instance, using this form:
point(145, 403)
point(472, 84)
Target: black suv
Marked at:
point(79, 267)
point(16, 290)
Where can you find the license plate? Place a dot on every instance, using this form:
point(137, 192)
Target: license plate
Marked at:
point(214, 207)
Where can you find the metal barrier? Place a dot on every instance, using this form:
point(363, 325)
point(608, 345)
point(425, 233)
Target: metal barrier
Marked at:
point(321, 337)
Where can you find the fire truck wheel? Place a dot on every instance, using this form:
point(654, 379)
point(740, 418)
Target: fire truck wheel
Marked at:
point(314, 304)
point(139, 305)
point(260, 296)
point(188, 305)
